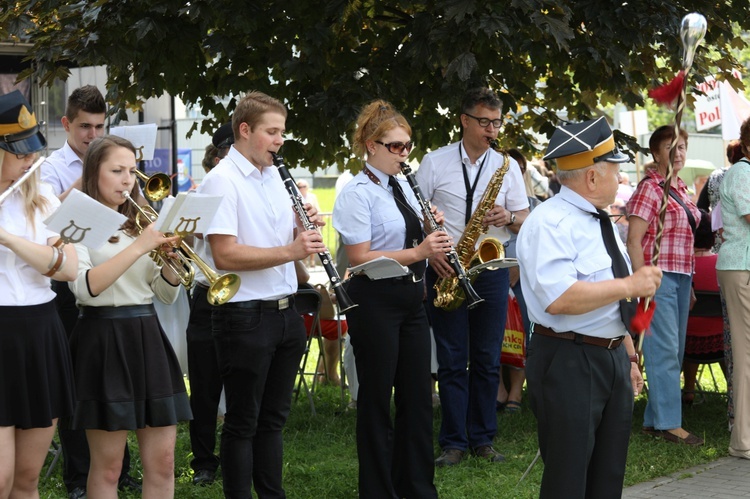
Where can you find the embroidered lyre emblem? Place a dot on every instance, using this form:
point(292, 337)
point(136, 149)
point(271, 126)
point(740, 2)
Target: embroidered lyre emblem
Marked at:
point(186, 226)
point(70, 233)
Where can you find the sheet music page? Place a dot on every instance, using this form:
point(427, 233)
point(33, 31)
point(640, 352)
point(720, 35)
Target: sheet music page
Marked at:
point(82, 219)
point(143, 138)
point(380, 268)
point(190, 211)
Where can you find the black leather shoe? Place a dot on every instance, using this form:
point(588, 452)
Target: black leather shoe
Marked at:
point(129, 484)
point(77, 493)
point(204, 477)
point(449, 457)
point(489, 453)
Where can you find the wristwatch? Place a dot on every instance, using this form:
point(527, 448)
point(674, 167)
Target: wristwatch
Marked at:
point(512, 218)
point(634, 358)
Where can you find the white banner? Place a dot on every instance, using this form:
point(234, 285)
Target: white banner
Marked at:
point(707, 108)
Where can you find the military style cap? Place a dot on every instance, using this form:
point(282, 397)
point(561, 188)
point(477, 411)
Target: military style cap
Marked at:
point(578, 145)
point(19, 130)
point(224, 136)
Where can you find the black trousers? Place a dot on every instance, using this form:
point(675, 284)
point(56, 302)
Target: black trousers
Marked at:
point(391, 339)
point(205, 383)
point(259, 353)
point(75, 447)
point(582, 398)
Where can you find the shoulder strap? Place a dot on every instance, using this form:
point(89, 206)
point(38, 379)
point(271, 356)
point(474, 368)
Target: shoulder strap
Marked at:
point(691, 218)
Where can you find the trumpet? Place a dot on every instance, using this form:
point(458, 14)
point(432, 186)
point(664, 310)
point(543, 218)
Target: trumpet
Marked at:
point(155, 187)
point(221, 287)
point(342, 298)
point(23, 178)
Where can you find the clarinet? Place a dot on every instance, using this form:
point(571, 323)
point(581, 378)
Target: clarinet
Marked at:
point(472, 297)
point(342, 298)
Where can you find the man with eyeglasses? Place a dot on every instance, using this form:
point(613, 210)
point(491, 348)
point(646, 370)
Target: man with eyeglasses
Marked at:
point(455, 177)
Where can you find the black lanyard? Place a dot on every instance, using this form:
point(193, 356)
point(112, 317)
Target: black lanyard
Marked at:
point(470, 188)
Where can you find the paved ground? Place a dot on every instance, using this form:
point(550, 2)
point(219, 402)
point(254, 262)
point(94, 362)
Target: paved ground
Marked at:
point(726, 478)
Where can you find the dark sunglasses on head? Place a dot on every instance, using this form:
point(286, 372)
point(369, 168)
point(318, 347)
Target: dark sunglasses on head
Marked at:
point(397, 147)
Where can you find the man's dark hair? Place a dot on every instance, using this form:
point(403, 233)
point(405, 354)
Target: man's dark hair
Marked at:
point(87, 99)
point(480, 96)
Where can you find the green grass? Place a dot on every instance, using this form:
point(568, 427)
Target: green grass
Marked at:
point(320, 459)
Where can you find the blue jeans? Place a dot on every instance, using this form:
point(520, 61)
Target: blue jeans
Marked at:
point(663, 349)
point(468, 346)
point(259, 352)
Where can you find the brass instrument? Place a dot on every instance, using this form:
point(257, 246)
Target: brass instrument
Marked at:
point(23, 178)
point(155, 187)
point(450, 294)
point(222, 287)
point(453, 260)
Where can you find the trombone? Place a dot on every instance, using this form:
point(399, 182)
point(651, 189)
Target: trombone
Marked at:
point(221, 287)
point(155, 187)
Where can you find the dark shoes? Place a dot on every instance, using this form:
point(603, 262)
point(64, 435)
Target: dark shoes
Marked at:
point(204, 477)
point(671, 437)
point(449, 457)
point(129, 484)
point(489, 453)
point(77, 493)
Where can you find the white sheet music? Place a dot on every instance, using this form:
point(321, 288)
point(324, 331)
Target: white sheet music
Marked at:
point(82, 219)
point(380, 268)
point(189, 211)
point(143, 138)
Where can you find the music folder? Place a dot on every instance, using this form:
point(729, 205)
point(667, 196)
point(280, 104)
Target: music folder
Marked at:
point(380, 268)
point(187, 213)
point(143, 138)
point(82, 219)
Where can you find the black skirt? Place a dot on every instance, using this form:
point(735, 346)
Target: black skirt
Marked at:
point(36, 374)
point(127, 375)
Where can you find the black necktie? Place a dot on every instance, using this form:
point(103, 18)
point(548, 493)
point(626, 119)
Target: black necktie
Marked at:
point(413, 226)
point(619, 267)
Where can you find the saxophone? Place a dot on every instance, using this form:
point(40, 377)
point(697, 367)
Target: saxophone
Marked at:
point(450, 296)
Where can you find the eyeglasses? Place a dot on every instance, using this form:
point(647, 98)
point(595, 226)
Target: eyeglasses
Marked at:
point(483, 122)
point(25, 156)
point(397, 147)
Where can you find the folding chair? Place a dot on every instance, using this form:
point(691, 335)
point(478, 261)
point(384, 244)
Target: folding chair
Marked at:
point(329, 311)
point(56, 451)
point(307, 302)
point(705, 329)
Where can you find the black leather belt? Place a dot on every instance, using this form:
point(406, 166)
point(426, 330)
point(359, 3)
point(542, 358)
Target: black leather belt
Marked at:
point(608, 343)
point(201, 285)
point(282, 304)
point(125, 312)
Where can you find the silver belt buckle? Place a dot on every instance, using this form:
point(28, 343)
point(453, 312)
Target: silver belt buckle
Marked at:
point(283, 303)
point(612, 342)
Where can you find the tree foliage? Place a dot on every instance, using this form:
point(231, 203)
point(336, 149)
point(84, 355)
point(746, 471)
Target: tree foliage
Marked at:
point(326, 59)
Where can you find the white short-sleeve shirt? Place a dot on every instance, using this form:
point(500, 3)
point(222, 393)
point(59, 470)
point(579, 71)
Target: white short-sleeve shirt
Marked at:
point(61, 169)
point(255, 208)
point(559, 244)
point(20, 283)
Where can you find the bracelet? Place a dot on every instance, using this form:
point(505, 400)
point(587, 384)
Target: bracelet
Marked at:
point(634, 358)
point(58, 263)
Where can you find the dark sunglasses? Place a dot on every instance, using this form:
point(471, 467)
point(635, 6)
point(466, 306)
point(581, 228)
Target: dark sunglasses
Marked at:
point(397, 147)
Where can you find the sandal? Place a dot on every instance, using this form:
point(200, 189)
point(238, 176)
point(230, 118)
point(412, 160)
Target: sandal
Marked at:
point(512, 406)
point(499, 406)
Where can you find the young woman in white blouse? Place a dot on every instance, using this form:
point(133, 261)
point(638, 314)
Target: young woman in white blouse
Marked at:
point(127, 375)
point(36, 379)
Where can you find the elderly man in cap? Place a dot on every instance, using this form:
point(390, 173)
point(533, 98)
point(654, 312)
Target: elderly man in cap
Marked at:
point(582, 370)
